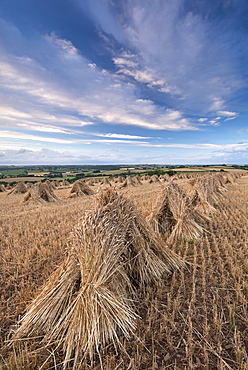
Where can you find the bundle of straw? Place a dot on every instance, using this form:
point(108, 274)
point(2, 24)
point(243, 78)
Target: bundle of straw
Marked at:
point(137, 180)
point(90, 300)
point(50, 185)
point(199, 201)
point(154, 178)
point(56, 184)
point(90, 182)
point(229, 178)
point(40, 193)
point(80, 188)
point(120, 179)
point(65, 183)
point(20, 188)
point(128, 182)
point(145, 248)
point(214, 188)
point(173, 215)
point(131, 181)
point(106, 181)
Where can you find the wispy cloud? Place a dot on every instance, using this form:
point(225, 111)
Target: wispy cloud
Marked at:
point(186, 48)
point(94, 95)
point(110, 138)
point(24, 136)
point(239, 146)
point(214, 122)
point(227, 114)
point(130, 68)
point(121, 136)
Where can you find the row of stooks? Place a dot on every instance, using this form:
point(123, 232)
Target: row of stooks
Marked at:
point(113, 255)
point(44, 192)
point(22, 187)
point(80, 187)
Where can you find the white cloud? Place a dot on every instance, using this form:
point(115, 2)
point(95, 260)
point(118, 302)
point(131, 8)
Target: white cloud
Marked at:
point(11, 113)
point(122, 136)
point(217, 104)
point(148, 76)
point(185, 49)
point(234, 147)
point(230, 118)
point(32, 127)
point(227, 113)
point(63, 44)
point(124, 62)
point(214, 123)
point(23, 136)
point(71, 93)
point(114, 141)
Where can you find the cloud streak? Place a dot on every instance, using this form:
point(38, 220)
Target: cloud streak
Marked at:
point(195, 55)
point(95, 96)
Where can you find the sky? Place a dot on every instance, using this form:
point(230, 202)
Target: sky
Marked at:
point(123, 82)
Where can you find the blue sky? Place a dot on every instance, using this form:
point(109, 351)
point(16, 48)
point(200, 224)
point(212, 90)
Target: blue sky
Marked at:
point(123, 81)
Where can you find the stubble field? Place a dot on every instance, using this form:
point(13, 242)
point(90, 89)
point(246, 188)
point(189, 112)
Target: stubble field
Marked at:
point(196, 318)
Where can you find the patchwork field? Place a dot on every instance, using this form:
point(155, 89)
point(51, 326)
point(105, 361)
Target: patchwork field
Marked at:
point(195, 318)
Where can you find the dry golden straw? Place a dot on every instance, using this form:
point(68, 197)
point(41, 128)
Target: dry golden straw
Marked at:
point(199, 201)
point(80, 188)
point(173, 215)
point(20, 188)
point(40, 193)
point(90, 300)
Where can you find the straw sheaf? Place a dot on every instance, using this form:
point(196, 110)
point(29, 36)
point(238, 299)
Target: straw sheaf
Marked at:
point(162, 219)
point(80, 188)
point(91, 299)
point(137, 179)
point(120, 179)
point(128, 182)
point(90, 182)
point(131, 181)
point(173, 215)
point(143, 244)
point(200, 202)
point(56, 184)
point(154, 178)
point(50, 185)
point(40, 193)
point(229, 178)
point(214, 188)
point(106, 181)
point(65, 183)
point(20, 188)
